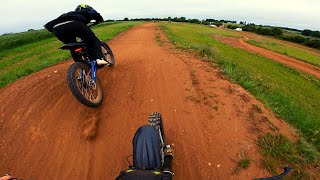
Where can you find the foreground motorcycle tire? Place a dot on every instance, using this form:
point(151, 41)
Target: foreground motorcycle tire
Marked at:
point(156, 117)
point(80, 88)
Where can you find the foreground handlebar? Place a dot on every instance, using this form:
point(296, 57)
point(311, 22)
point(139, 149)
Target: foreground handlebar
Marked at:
point(286, 171)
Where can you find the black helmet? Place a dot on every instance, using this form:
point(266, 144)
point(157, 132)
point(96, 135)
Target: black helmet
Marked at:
point(83, 6)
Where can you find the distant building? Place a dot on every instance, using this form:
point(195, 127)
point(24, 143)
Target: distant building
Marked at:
point(238, 29)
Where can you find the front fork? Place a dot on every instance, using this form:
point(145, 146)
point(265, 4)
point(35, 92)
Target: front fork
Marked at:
point(93, 71)
point(92, 81)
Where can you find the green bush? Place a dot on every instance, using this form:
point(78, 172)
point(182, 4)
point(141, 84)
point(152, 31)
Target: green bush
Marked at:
point(195, 21)
point(233, 26)
point(249, 27)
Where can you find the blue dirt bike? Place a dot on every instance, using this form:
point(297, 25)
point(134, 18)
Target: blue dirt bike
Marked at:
point(82, 75)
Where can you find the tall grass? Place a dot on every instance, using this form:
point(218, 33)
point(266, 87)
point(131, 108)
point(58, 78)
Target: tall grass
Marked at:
point(30, 54)
point(280, 152)
point(292, 95)
point(9, 41)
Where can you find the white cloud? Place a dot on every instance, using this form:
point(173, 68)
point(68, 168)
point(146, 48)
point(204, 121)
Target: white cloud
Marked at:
point(19, 15)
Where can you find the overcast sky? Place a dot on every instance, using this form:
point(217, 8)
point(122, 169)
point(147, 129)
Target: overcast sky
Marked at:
point(21, 15)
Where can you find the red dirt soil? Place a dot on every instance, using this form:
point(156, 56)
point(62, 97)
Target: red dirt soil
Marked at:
point(292, 62)
point(211, 123)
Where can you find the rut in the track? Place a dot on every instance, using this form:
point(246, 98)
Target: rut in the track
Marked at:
point(210, 122)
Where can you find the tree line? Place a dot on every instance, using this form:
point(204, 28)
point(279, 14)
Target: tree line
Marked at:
point(308, 32)
point(277, 32)
point(310, 37)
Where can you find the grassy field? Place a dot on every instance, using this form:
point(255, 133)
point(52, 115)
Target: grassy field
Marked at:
point(291, 95)
point(288, 50)
point(9, 41)
point(24, 53)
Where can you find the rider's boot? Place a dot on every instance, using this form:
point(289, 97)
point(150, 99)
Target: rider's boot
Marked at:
point(101, 62)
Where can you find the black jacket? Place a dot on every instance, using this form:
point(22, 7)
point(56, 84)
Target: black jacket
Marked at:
point(85, 16)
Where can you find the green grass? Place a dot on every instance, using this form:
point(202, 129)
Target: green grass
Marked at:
point(8, 41)
point(292, 95)
point(244, 163)
point(42, 51)
point(288, 50)
point(280, 152)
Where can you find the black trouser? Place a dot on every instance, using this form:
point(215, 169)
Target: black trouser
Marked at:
point(68, 32)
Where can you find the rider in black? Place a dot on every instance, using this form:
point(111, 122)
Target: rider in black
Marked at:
point(73, 24)
point(139, 174)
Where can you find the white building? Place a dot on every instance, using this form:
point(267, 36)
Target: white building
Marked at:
point(238, 29)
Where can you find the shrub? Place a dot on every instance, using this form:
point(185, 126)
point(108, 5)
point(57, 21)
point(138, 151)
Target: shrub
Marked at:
point(233, 26)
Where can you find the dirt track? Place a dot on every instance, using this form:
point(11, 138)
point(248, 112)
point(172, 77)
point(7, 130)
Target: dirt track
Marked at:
point(292, 62)
point(251, 35)
point(211, 122)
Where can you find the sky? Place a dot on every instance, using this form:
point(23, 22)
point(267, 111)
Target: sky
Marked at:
point(21, 15)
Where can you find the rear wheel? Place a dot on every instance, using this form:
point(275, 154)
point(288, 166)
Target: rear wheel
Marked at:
point(86, 91)
point(108, 55)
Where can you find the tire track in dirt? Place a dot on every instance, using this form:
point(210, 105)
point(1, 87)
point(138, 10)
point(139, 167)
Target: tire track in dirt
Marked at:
point(211, 122)
point(292, 62)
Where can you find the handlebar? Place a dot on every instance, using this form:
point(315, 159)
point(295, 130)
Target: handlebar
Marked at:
point(94, 24)
point(286, 171)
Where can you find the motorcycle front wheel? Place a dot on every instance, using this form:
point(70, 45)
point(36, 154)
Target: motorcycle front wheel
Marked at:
point(85, 90)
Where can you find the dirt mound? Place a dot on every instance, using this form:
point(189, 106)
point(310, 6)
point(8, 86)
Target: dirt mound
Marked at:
point(211, 123)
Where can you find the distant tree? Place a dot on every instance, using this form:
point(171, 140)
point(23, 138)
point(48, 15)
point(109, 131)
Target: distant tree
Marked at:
point(211, 20)
point(196, 21)
point(126, 19)
point(205, 22)
point(306, 32)
point(249, 27)
point(233, 26)
point(315, 34)
point(218, 24)
point(182, 19)
point(263, 31)
point(276, 31)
